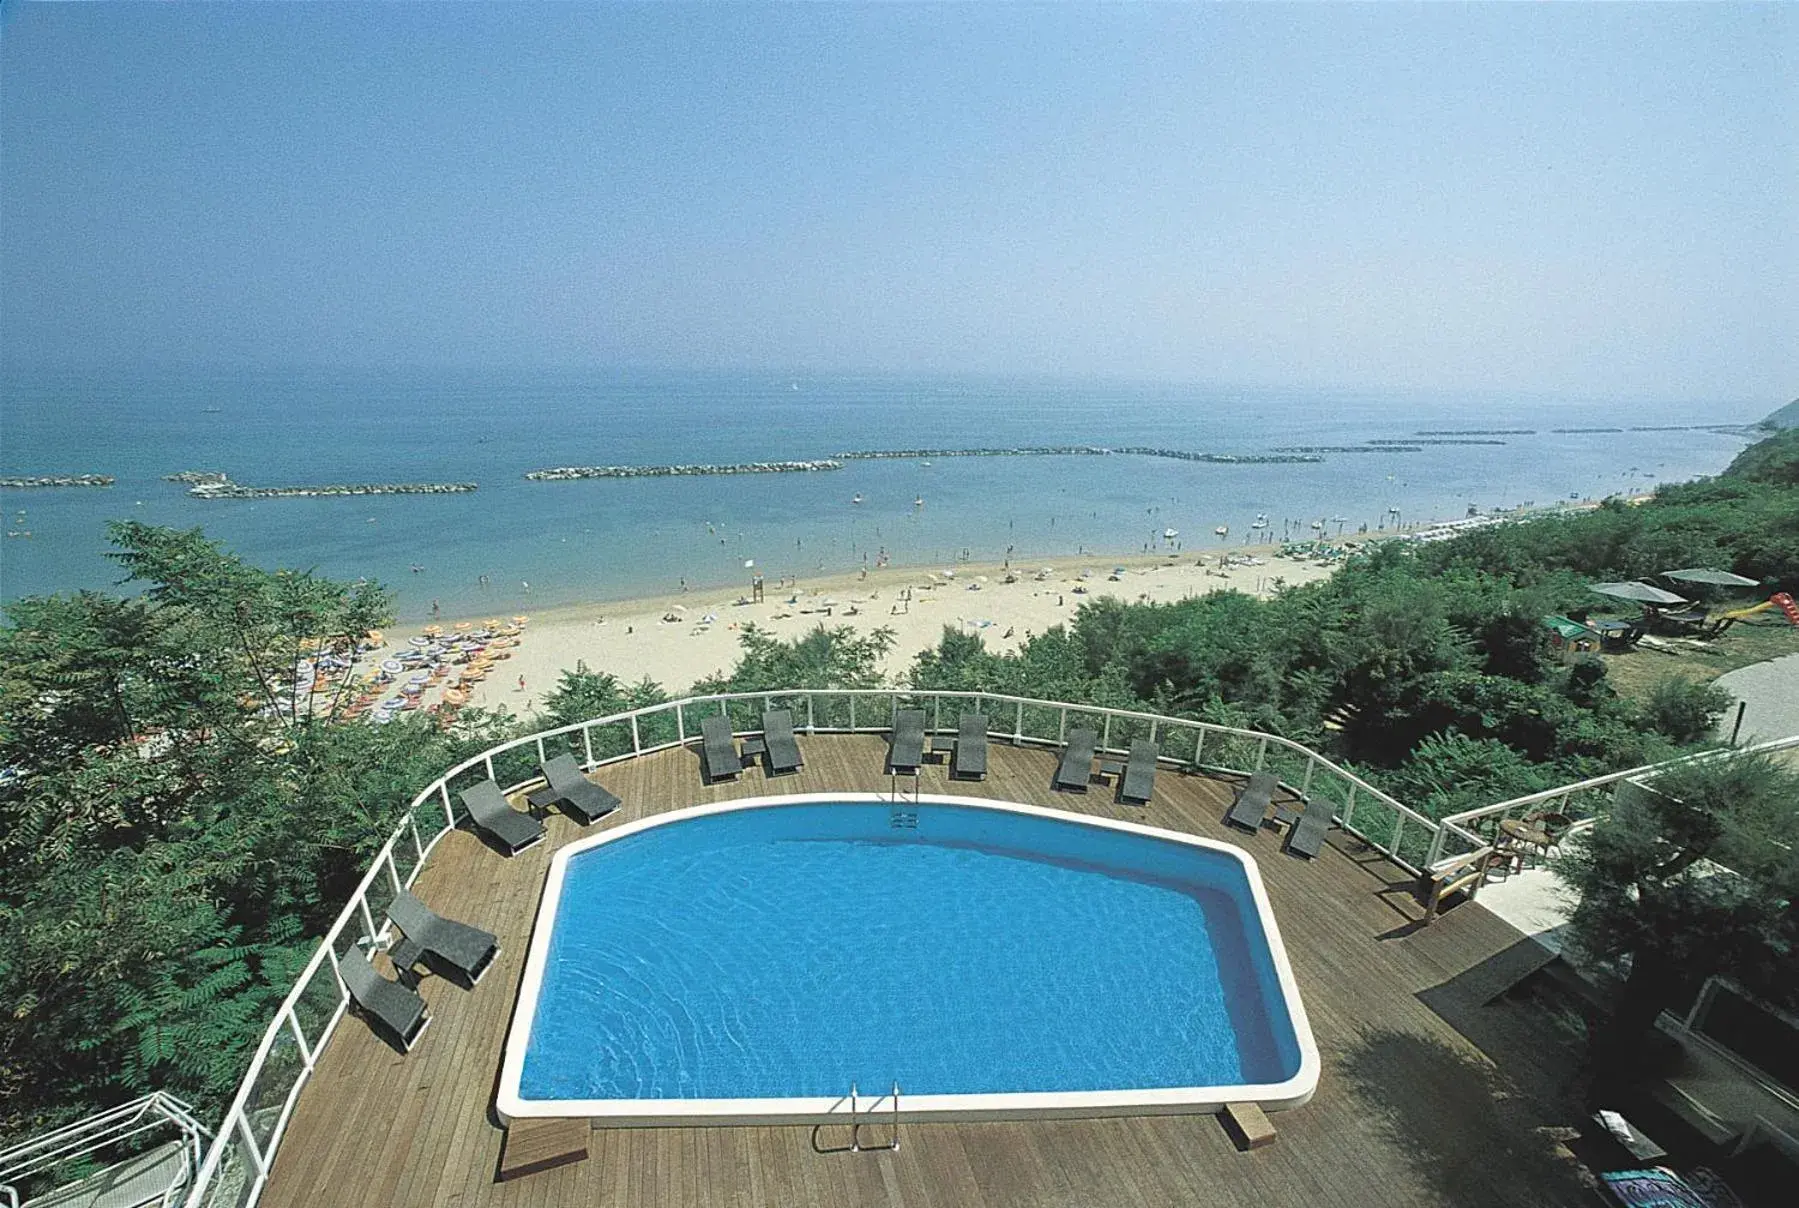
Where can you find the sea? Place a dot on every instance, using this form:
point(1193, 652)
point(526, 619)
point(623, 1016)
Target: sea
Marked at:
point(514, 545)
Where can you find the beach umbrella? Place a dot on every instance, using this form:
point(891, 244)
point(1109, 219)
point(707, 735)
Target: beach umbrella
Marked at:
point(463, 626)
point(1717, 578)
point(520, 620)
point(1642, 593)
point(393, 666)
point(432, 631)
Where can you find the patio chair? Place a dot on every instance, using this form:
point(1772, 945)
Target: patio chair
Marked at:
point(719, 759)
point(1140, 772)
point(388, 1006)
point(494, 817)
point(1252, 801)
point(1076, 768)
point(906, 751)
point(783, 749)
point(579, 797)
point(970, 759)
point(1306, 836)
point(466, 951)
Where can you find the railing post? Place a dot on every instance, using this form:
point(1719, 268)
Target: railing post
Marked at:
point(587, 745)
point(811, 721)
point(1062, 726)
point(1435, 853)
point(1305, 782)
point(636, 739)
point(1199, 745)
point(393, 873)
point(1349, 805)
point(680, 722)
point(306, 1052)
point(368, 917)
point(443, 789)
point(852, 713)
point(1105, 736)
point(1398, 831)
point(256, 1159)
point(540, 756)
point(1262, 753)
point(488, 761)
point(936, 714)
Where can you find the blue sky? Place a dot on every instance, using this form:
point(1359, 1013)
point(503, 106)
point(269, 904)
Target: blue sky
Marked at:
point(1563, 199)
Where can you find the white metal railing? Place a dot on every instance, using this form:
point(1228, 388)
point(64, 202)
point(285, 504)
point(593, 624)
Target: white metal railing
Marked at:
point(120, 1136)
point(237, 1165)
point(1581, 802)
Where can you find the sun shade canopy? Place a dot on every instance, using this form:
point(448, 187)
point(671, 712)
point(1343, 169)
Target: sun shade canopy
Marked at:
point(1718, 578)
point(1642, 593)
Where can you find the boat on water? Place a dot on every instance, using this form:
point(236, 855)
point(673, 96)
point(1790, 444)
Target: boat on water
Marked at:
point(1317, 524)
point(924, 465)
point(1260, 523)
point(1169, 534)
point(1222, 530)
point(918, 502)
point(856, 498)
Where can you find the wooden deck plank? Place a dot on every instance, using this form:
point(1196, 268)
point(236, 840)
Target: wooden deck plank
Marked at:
point(1404, 1113)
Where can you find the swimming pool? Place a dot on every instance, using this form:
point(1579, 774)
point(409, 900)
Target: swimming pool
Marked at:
point(747, 962)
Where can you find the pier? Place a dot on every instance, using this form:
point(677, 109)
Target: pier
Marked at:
point(1280, 456)
point(1370, 448)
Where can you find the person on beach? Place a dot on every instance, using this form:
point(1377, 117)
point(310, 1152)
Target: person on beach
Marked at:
point(521, 683)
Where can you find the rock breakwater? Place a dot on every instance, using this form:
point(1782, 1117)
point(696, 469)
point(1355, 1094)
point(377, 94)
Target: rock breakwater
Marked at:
point(567, 473)
point(57, 480)
point(205, 484)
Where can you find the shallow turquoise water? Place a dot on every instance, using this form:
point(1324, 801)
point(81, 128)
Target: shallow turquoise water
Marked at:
point(617, 539)
point(786, 951)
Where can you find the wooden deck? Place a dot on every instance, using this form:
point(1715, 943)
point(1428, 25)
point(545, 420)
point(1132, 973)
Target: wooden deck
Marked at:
point(1427, 1096)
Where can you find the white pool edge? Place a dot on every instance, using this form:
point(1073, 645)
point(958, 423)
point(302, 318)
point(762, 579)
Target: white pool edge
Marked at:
point(620, 1113)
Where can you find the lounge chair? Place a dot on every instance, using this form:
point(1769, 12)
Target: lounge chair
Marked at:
point(970, 759)
point(783, 749)
point(1140, 772)
point(907, 750)
point(467, 951)
point(1306, 837)
point(389, 1006)
point(1076, 768)
point(1252, 801)
point(719, 759)
point(580, 798)
point(494, 816)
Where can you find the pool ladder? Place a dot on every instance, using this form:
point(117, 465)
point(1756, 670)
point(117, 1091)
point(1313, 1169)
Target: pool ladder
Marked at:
point(899, 816)
point(858, 1120)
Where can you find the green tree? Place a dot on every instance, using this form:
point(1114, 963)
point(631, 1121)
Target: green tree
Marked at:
point(839, 657)
point(1683, 710)
point(1695, 874)
point(180, 818)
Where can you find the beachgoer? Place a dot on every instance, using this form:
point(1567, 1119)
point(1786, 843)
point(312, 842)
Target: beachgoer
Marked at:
point(522, 583)
point(521, 683)
point(434, 609)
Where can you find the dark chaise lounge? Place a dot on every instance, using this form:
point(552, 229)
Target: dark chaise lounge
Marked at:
point(1306, 836)
point(907, 750)
point(1140, 773)
point(389, 1006)
point(579, 797)
point(783, 749)
point(1076, 768)
point(466, 951)
point(719, 759)
point(970, 759)
point(1251, 806)
point(494, 816)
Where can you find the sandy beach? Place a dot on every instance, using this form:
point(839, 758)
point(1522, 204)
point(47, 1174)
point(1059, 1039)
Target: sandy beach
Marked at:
point(676, 640)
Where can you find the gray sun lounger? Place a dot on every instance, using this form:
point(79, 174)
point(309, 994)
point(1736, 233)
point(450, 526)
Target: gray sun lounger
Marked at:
point(1253, 800)
point(494, 816)
point(388, 1005)
point(1076, 768)
point(468, 951)
point(783, 749)
point(1306, 836)
point(719, 759)
point(906, 752)
point(580, 798)
point(1140, 772)
point(970, 759)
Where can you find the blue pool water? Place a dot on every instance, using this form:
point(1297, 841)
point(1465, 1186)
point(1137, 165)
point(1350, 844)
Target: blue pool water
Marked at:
point(784, 951)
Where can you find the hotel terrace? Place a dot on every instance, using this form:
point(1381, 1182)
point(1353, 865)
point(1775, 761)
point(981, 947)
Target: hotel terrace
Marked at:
point(1439, 1082)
